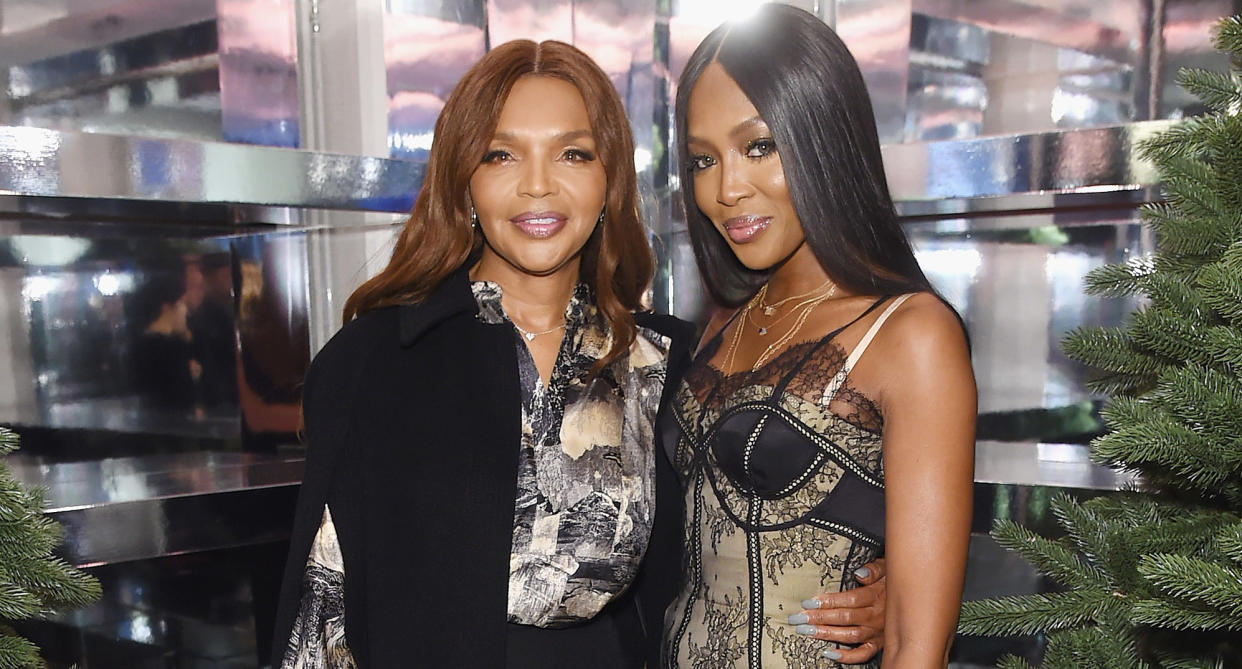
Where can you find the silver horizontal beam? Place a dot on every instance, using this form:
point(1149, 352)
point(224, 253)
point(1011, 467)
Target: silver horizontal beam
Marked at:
point(121, 509)
point(1033, 171)
point(36, 162)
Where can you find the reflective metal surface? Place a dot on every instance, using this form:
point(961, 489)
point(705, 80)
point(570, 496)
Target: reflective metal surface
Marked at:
point(1052, 465)
point(50, 163)
point(122, 509)
point(258, 79)
point(187, 333)
point(428, 45)
point(932, 177)
point(1017, 281)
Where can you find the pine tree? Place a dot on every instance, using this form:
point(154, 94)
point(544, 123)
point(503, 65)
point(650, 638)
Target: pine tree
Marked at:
point(32, 583)
point(1151, 578)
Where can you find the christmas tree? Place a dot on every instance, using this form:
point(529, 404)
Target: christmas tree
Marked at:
point(1152, 577)
point(32, 582)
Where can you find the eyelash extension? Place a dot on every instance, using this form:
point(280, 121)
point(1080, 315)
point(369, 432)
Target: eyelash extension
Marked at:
point(766, 142)
point(493, 156)
point(583, 154)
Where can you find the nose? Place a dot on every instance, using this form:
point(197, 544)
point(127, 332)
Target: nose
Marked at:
point(536, 180)
point(734, 187)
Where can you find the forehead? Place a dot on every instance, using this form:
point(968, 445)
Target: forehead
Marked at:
point(543, 105)
point(717, 104)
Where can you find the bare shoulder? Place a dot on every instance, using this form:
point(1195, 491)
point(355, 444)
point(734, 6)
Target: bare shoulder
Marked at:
point(923, 329)
point(921, 351)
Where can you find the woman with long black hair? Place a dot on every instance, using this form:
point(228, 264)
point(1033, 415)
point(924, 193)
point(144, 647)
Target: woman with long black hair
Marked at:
point(828, 418)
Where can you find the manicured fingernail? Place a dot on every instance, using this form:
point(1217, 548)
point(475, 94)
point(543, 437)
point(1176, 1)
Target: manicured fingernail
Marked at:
point(862, 572)
point(810, 603)
point(832, 654)
point(806, 630)
point(799, 619)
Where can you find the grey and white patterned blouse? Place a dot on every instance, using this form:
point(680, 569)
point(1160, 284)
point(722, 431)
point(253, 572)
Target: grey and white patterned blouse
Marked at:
point(585, 488)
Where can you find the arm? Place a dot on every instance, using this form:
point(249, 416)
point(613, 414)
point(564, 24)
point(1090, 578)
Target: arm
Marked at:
point(929, 403)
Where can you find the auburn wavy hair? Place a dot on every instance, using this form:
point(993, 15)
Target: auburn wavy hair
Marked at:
point(617, 261)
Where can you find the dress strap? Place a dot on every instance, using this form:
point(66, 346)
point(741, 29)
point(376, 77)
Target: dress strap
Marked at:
point(839, 380)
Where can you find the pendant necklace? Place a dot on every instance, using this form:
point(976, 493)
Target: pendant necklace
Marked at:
point(530, 336)
point(769, 309)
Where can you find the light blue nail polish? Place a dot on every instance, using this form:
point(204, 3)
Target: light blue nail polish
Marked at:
point(810, 603)
point(862, 572)
point(806, 630)
point(832, 654)
point(799, 619)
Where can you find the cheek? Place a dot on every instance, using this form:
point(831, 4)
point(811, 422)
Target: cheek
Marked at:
point(704, 195)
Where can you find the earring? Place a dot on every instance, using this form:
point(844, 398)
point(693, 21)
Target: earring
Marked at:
point(600, 220)
point(474, 218)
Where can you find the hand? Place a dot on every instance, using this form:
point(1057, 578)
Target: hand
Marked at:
point(854, 617)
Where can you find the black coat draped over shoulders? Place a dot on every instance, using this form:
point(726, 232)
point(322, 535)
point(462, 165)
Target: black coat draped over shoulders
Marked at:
point(413, 428)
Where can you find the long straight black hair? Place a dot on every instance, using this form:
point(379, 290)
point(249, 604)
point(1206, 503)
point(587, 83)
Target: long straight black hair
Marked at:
point(808, 89)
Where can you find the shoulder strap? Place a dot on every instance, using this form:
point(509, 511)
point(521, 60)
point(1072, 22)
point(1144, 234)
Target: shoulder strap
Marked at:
point(839, 380)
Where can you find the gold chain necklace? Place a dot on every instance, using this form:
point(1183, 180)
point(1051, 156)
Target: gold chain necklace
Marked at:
point(769, 309)
point(804, 311)
point(763, 329)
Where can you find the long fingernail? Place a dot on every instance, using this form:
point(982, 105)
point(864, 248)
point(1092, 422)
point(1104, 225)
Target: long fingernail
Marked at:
point(799, 619)
point(862, 572)
point(832, 654)
point(810, 603)
point(806, 630)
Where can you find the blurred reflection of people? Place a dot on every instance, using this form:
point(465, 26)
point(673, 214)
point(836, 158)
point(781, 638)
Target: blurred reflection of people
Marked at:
point(165, 371)
point(211, 324)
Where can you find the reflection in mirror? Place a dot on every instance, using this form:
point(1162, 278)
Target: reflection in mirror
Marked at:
point(112, 329)
point(195, 69)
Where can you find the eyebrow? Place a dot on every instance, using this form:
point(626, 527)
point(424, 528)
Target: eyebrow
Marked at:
point(737, 131)
point(563, 137)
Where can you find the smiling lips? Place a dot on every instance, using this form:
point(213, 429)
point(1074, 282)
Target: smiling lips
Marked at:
point(540, 224)
point(743, 229)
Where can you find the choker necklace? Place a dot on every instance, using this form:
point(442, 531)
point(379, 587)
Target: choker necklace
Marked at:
point(769, 309)
point(530, 336)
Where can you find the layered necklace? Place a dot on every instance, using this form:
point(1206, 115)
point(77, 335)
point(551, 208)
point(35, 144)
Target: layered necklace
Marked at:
point(800, 313)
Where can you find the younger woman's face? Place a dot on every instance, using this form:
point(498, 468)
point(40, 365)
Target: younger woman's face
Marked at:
point(739, 183)
point(540, 188)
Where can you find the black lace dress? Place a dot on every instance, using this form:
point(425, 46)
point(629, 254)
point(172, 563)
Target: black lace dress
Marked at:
point(784, 499)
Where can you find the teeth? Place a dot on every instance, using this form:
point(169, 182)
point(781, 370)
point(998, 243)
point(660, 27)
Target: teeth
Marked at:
point(540, 221)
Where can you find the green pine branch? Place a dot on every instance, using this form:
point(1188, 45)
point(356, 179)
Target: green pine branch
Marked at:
point(33, 583)
point(1121, 279)
point(1216, 90)
point(1230, 542)
point(1221, 285)
point(1195, 580)
point(1028, 614)
point(1057, 561)
point(17, 653)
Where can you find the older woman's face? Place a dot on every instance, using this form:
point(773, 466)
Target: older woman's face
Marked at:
point(540, 187)
point(739, 183)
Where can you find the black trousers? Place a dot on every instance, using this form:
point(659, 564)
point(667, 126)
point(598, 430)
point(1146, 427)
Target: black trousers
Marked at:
point(611, 640)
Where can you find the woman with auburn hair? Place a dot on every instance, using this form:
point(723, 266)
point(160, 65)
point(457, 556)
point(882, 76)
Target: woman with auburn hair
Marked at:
point(482, 482)
point(829, 416)
point(481, 486)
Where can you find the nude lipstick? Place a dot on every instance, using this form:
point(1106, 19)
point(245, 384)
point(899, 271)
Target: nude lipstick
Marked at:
point(540, 224)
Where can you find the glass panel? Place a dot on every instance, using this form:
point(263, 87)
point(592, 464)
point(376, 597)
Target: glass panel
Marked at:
point(199, 69)
point(182, 332)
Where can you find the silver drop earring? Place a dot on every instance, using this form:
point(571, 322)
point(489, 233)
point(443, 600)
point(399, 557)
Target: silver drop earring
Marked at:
point(474, 218)
point(600, 220)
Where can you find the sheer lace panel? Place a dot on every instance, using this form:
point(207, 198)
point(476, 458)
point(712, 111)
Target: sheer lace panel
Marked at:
point(806, 368)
